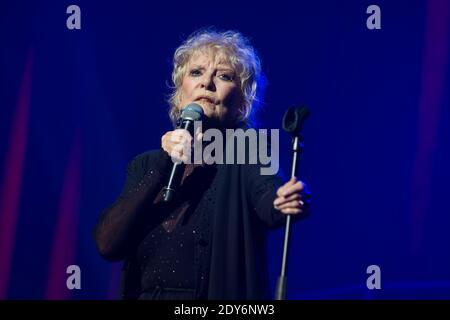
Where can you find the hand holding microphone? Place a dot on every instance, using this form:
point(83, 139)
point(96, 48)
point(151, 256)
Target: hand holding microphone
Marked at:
point(178, 144)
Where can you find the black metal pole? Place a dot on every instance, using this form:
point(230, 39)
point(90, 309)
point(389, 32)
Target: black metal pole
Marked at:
point(282, 279)
point(293, 124)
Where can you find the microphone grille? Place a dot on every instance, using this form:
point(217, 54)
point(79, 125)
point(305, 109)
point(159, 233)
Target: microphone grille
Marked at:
point(192, 112)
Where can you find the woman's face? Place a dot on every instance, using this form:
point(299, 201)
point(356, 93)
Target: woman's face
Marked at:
point(213, 84)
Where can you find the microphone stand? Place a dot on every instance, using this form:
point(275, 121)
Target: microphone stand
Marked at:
point(297, 148)
point(292, 123)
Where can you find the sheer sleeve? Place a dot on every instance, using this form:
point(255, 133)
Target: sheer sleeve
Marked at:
point(262, 192)
point(118, 224)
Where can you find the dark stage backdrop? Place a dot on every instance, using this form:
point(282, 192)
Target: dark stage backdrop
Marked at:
point(77, 105)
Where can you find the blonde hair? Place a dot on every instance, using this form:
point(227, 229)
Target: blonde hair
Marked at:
point(239, 53)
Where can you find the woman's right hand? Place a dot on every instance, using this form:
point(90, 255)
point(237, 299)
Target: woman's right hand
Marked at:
point(178, 144)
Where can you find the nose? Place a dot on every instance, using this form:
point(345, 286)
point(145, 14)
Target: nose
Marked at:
point(208, 81)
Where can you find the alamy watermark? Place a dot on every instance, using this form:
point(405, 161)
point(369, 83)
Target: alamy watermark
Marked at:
point(374, 280)
point(236, 146)
point(373, 22)
point(74, 279)
point(74, 20)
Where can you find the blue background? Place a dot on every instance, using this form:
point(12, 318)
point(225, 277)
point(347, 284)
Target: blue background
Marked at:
point(77, 105)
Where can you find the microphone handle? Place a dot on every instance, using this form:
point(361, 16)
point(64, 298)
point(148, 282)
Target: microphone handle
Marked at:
point(177, 171)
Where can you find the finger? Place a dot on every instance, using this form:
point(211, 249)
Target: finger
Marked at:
point(290, 182)
point(184, 159)
point(183, 133)
point(178, 147)
point(165, 144)
point(281, 200)
point(283, 203)
point(291, 211)
point(176, 159)
point(176, 136)
point(164, 138)
point(291, 204)
point(296, 188)
point(282, 190)
point(181, 139)
point(176, 152)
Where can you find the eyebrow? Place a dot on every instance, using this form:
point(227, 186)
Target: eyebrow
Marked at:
point(225, 69)
point(219, 67)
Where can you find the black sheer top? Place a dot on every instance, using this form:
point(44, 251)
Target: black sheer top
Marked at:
point(211, 240)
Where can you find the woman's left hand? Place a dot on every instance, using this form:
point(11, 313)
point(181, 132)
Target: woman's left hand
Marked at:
point(292, 197)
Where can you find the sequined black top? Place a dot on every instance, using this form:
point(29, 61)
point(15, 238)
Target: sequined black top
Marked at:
point(212, 239)
point(166, 255)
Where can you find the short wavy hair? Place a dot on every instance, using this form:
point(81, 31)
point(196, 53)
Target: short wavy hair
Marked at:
point(239, 53)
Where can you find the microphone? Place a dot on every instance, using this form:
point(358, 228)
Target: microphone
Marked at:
point(192, 112)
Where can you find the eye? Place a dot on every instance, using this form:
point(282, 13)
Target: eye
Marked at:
point(195, 73)
point(226, 77)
